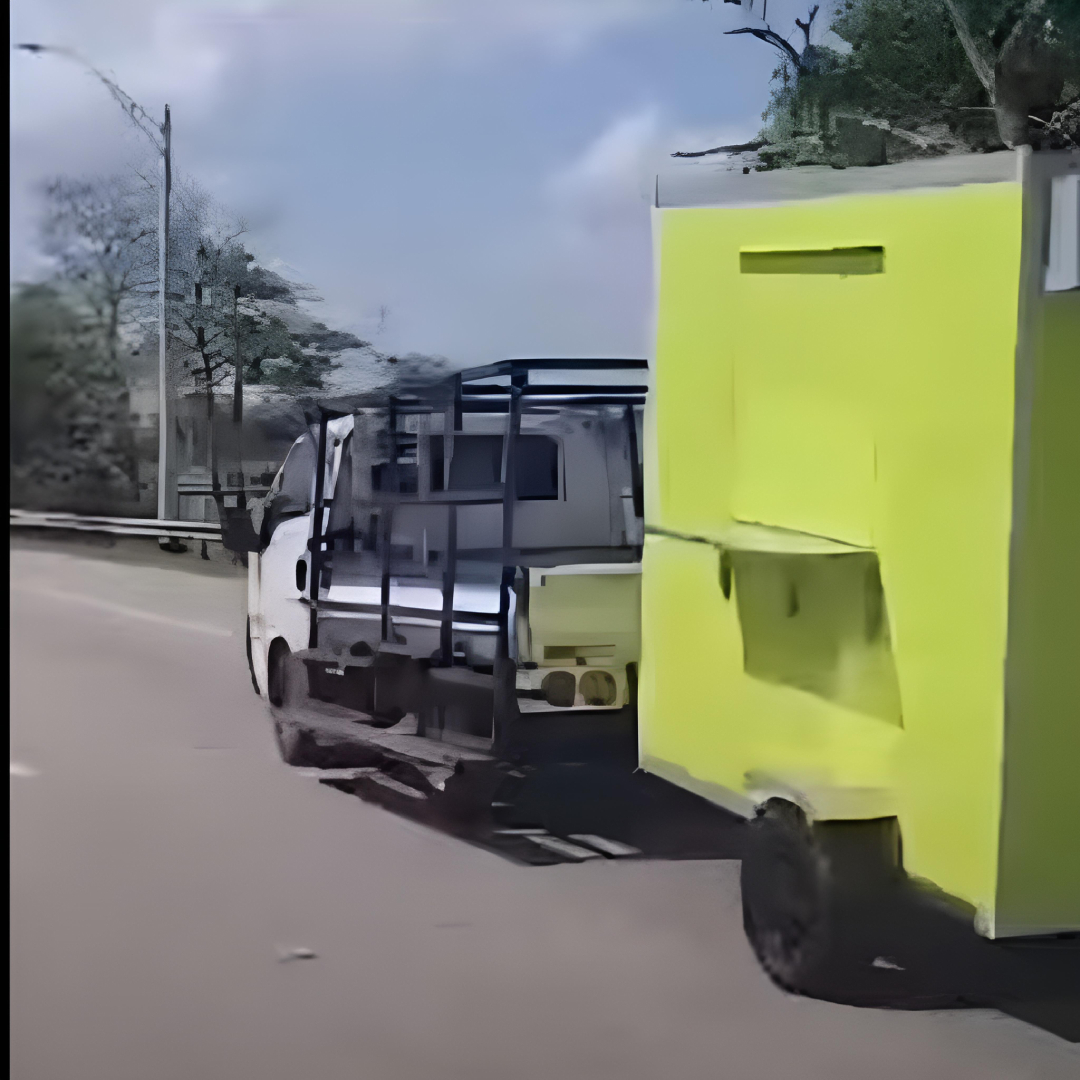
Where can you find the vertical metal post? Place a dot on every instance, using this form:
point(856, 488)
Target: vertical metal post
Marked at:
point(168, 508)
point(315, 562)
point(513, 428)
point(238, 396)
point(423, 458)
point(238, 373)
point(446, 625)
point(636, 486)
point(392, 432)
point(386, 524)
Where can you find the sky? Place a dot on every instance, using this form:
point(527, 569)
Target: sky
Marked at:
point(465, 178)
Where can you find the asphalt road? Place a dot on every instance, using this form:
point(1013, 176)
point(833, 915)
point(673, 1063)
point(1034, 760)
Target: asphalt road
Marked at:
point(162, 854)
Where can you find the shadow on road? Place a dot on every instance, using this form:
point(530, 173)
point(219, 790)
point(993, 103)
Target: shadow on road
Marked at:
point(538, 815)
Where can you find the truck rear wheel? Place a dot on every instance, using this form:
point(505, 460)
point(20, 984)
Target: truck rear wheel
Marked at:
point(251, 662)
point(784, 895)
point(277, 672)
point(812, 901)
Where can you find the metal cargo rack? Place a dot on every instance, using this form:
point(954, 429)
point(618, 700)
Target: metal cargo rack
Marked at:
point(507, 388)
point(471, 391)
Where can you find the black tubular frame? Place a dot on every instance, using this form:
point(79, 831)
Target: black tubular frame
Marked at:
point(468, 392)
point(315, 546)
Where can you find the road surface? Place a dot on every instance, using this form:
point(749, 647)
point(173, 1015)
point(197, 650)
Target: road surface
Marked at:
point(164, 858)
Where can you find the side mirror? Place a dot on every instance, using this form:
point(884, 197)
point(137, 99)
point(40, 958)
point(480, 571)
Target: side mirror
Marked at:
point(237, 532)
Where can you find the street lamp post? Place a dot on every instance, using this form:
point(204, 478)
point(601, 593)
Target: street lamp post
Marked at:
point(161, 136)
point(238, 395)
point(168, 498)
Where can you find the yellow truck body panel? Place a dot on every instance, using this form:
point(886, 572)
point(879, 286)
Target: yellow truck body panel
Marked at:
point(860, 584)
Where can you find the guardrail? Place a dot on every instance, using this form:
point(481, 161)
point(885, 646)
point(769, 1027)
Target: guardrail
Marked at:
point(119, 526)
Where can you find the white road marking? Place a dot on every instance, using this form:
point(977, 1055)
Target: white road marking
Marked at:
point(285, 955)
point(19, 769)
point(561, 847)
point(334, 774)
point(609, 847)
point(131, 613)
point(888, 965)
point(391, 784)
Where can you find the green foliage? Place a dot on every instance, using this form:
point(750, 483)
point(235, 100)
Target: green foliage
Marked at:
point(906, 63)
point(909, 75)
point(70, 441)
point(234, 304)
point(73, 440)
point(276, 354)
point(992, 21)
point(101, 237)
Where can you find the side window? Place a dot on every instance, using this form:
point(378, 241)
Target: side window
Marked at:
point(341, 505)
point(537, 467)
point(291, 494)
point(477, 462)
point(437, 453)
point(296, 477)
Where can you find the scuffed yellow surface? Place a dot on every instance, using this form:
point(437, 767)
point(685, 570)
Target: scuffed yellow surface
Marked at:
point(873, 409)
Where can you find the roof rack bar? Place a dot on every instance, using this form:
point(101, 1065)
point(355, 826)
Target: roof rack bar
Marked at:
point(559, 389)
point(488, 405)
point(505, 367)
point(575, 363)
point(592, 399)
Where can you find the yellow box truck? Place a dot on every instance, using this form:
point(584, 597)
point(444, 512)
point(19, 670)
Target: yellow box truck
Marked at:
point(861, 575)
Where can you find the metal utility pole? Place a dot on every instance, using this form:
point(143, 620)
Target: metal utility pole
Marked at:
point(168, 496)
point(238, 374)
point(238, 395)
point(161, 136)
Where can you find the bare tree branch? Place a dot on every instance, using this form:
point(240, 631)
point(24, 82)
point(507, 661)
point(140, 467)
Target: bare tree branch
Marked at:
point(774, 39)
point(980, 61)
point(734, 148)
point(805, 26)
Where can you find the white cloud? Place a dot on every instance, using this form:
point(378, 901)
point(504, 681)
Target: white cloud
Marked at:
point(468, 26)
point(609, 179)
point(614, 176)
point(499, 241)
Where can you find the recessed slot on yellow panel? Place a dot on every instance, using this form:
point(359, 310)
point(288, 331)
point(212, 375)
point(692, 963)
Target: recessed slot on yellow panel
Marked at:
point(572, 652)
point(841, 261)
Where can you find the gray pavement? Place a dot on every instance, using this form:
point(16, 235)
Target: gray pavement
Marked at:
point(162, 857)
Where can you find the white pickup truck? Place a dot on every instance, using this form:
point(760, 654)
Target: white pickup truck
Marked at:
point(467, 553)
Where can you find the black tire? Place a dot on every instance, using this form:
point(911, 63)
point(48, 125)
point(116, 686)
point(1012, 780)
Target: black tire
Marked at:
point(251, 663)
point(785, 902)
point(813, 900)
point(277, 676)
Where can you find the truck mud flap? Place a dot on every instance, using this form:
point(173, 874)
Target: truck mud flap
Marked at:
point(460, 700)
point(603, 736)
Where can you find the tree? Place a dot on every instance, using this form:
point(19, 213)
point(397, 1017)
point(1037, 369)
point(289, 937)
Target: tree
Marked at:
point(924, 77)
point(245, 310)
point(101, 237)
point(236, 322)
point(71, 446)
point(1026, 54)
point(229, 320)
